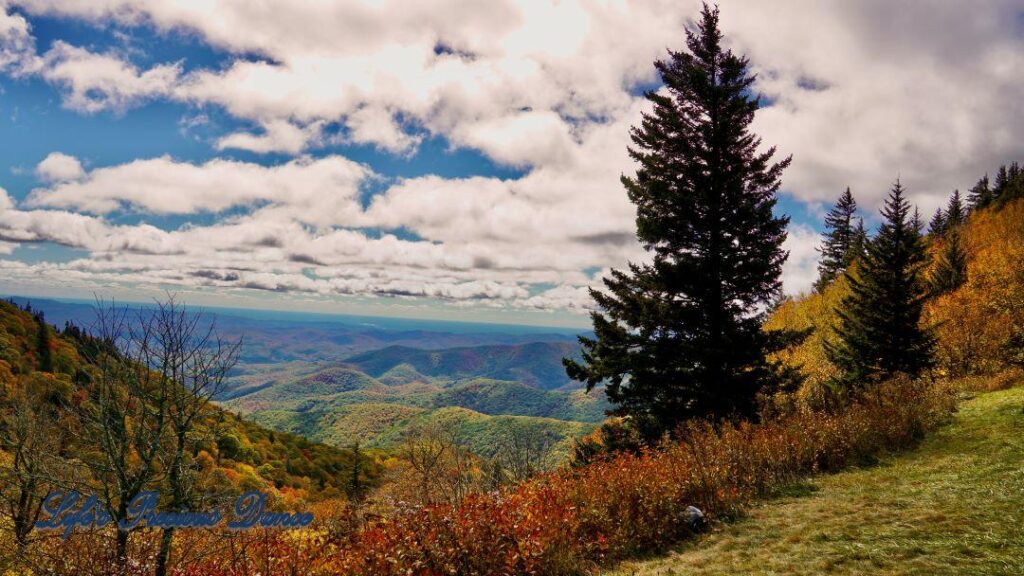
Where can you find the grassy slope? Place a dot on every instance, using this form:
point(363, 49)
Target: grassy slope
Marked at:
point(953, 506)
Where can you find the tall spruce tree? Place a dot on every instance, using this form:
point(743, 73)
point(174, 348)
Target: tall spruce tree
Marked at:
point(938, 224)
point(999, 183)
point(980, 195)
point(950, 271)
point(682, 336)
point(356, 485)
point(43, 344)
point(878, 332)
point(955, 213)
point(1014, 186)
point(837, 240)
point(859, 246)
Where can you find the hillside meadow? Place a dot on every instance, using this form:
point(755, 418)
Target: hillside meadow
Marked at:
point(951, 506)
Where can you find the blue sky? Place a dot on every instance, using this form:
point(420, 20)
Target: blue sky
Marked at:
point(334, 158)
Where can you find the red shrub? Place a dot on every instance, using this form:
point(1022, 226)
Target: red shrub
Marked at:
point(570, 521)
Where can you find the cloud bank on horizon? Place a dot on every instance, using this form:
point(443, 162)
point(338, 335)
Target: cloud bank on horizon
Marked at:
point(302, 115)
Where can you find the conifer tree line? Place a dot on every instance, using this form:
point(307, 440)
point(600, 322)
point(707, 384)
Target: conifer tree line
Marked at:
point(682, 335)
point(839, 251)
point(950, 267)
point(879, 332)
point(1007, 185)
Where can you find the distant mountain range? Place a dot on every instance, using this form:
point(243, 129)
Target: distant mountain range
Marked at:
point(372, 380)
point(537, 364)
point(281, 337)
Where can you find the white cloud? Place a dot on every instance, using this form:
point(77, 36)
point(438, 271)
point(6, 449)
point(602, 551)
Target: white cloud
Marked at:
point(865, 92)
point(315, 191)
point(521, 139)
point(376, 125)
point(95, 82)
point(278, 136)
point(367, 66)
point(859, 93)
point(59, 167)
point(5, 201)
point(801, 269)
point(17, 47)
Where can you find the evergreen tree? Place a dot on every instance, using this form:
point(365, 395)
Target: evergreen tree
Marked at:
point(1000, 183)
point(1014, 187)
point(981, 195)
point(938, 224)
point(950, 270)
point(879, 332)
point(916, 222)
point(859, 246)
point(682, 336)
point(955, 214)
point(43, 351)
point(837, 240)
point(356, 484)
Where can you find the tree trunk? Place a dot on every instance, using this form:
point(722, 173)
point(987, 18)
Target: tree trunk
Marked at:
point(165, 552)
point(122, 546)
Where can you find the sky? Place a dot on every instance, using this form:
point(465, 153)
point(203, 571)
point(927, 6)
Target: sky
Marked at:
point(445, 159)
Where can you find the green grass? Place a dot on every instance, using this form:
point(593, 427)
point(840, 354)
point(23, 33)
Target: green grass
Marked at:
point(954, 505)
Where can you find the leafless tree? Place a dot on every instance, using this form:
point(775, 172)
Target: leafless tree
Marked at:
point(187, 351)
point(461, 474)
point(521, 452)
point(126, 418)
point(442, 469)
point(424, 449)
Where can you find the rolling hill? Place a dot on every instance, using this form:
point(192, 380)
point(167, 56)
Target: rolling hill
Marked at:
point(377, 397)
point(537, 364)
point(385, 426)
point(274, 338)
point(497, 397)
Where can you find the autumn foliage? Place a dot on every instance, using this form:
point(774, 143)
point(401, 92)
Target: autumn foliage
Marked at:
point(566, 522)
point(979, 325)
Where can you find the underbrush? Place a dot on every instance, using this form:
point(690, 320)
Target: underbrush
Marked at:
point(571, 521)
point(1001, 381)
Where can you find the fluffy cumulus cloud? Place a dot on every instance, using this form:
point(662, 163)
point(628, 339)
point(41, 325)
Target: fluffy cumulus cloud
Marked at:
point(16, 44)
point(301, 227)
point(315, 191)
point(59, 167)
point(94, 82)
point(859, 93)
